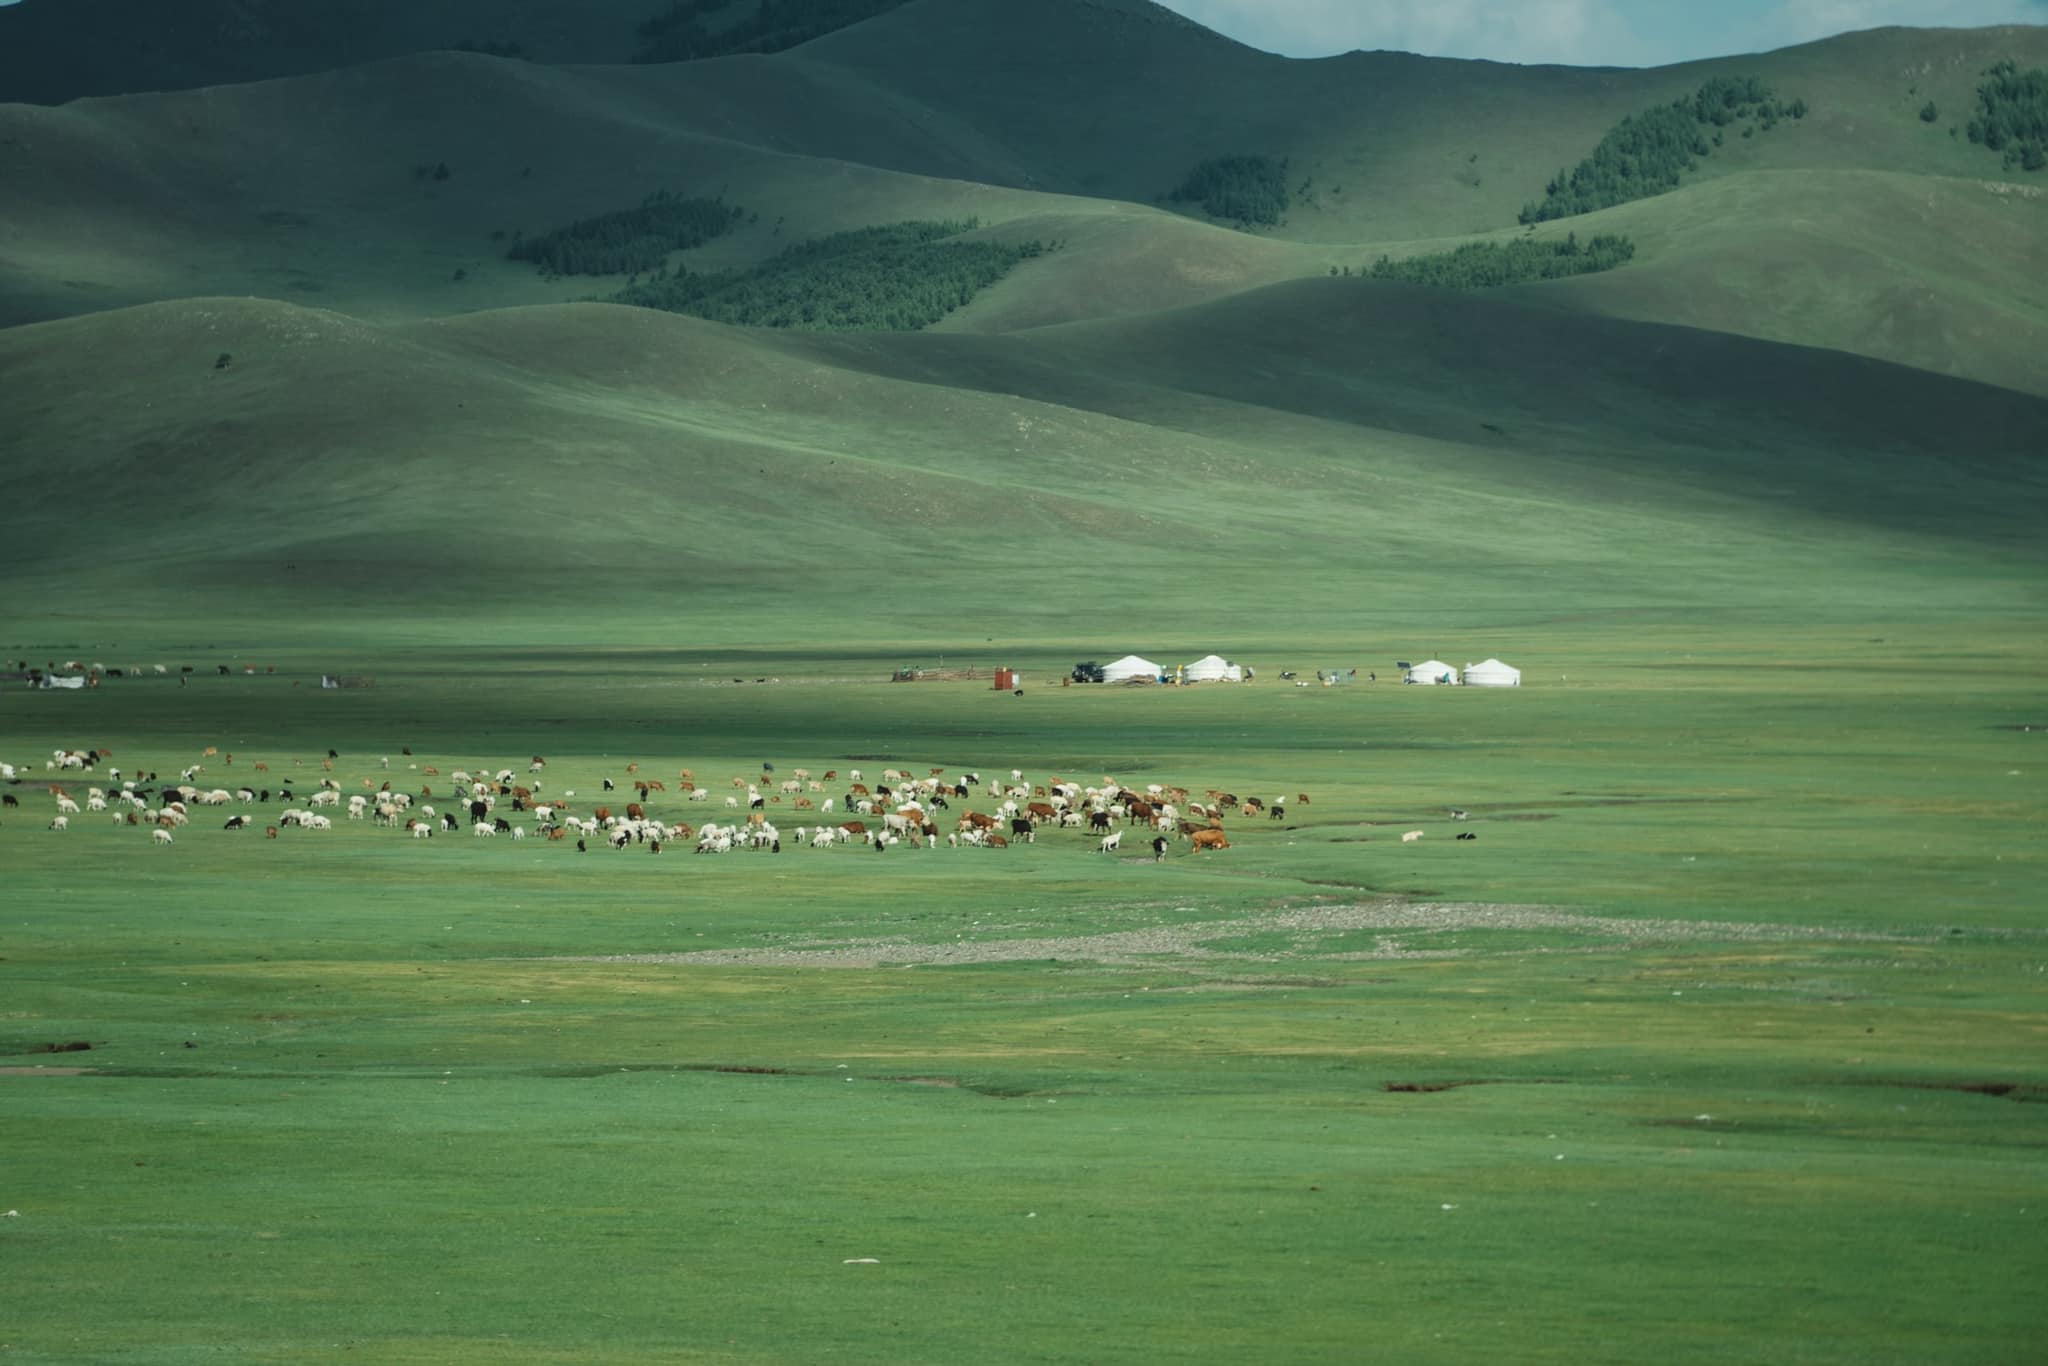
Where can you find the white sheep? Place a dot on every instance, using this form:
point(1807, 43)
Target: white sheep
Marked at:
point(61, 823)
point(160, 835)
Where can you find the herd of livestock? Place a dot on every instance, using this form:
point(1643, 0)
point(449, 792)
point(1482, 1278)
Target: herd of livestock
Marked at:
point(897, 808)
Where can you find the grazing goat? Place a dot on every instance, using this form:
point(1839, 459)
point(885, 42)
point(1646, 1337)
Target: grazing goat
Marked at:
point(1110, 843)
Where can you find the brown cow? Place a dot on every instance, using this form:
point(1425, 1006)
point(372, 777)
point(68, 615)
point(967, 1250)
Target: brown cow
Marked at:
point(1301, 799)
point(635, 811)
point(974, 820)
point(996, 842)
point(524, 794)
point(1210, 839)
point(632, 768)
point(270, 832)
point(603, 813)
point(654, 785)
point(1253, 806)
point(860, 790)
point(854, 827)
point(1040, 811)
point(556, 832)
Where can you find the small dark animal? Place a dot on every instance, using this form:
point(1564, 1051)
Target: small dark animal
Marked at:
point(1468, 834)
point(235, 822)
point(503, 826)
point(580, 848)
point(478, 809)
point(9, 799)
point(1278, 813)
point(1023, 830)
point(608, 785)
point(1159, 849)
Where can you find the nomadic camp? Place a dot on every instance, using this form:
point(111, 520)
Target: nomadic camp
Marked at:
point(1431, 671)
point(1130, 667)
point(1212, 669)
point(1492, 674)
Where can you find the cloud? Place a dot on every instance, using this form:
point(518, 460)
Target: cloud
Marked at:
point(1578, 32)
point(1803, 21)
point(1582, 32)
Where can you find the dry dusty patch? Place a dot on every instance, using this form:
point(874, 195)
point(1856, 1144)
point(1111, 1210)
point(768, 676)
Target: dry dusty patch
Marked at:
point(1193, 942)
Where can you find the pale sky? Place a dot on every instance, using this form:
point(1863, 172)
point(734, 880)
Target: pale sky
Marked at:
point(1578, 32)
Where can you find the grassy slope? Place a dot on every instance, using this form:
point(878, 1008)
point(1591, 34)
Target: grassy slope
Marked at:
point(1115, 98)
point(304, 189)
point(1861, 261)
point(1370, 431)
point(52, 51)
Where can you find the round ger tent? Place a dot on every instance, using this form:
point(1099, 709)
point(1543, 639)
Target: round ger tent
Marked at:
point(1431, 671)
point(1213, 669)
point(1492, 674)
point(1129, 667)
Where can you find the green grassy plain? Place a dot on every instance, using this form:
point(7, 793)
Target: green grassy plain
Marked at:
point(360, 1093)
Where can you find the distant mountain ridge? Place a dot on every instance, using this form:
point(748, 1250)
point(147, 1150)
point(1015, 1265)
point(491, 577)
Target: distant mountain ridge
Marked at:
point(54, 51)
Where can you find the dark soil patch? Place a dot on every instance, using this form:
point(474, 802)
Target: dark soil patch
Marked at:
point(1434, 1086)
point(1538, 815)
point(2023, 1092)
point(75, 1046)
point(751, 1071)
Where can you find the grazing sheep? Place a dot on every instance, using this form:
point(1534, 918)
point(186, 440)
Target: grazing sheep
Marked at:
point(1411, 836)
point(61, 823)
point(160, 835)
point(1110, 843)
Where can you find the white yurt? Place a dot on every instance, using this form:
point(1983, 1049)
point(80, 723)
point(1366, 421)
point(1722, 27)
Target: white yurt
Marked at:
point(1492, 674)
point(1212, 669)
point(1129, 667)
point(1431, 671)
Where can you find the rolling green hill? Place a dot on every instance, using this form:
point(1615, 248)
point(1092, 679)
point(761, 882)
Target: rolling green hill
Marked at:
point(518, 467)
point(1707, 426)
point(309, 189)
